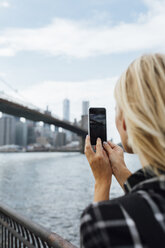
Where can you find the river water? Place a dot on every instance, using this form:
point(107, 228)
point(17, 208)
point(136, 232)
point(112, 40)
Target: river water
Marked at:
point(52, 189)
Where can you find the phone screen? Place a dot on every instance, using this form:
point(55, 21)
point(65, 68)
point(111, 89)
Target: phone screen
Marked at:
point(97, 124)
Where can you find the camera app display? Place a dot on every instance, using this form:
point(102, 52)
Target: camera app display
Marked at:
point(97, 121)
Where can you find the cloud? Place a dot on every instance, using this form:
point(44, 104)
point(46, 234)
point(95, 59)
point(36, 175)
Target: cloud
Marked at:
point(4, 4)
point(78, 39)
point(97, 92)
point(2, 74)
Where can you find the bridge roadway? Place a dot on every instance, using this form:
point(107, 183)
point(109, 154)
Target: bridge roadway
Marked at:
point(9, 107)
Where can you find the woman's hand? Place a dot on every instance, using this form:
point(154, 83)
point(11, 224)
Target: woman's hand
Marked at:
point(101, 168)
point(116, 157)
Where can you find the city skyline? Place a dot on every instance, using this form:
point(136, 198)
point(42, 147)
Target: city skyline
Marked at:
point(37, 135)
point(28, 134)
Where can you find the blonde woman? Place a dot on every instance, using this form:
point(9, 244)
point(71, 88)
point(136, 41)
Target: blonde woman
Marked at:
point(136, 219)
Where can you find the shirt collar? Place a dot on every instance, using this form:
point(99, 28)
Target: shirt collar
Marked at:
point(143, 179)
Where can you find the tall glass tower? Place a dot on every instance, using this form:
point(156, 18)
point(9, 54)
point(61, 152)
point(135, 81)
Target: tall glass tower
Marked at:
point(66, 110)
point(85, 107)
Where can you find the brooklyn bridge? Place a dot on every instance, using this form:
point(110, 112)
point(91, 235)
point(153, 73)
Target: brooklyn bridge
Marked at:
point(15, 107)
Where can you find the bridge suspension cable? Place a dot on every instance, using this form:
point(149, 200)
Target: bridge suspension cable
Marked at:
point(17, 92)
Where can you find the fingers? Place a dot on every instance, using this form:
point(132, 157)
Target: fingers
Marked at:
point(107, 147)
point(99, 147)
point(111, 144)
point(105, 153)
point(88, 148)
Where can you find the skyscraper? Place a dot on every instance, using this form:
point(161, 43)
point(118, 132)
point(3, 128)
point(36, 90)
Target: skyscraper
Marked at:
point(85, 107)
point(66, 110)
point(47, 126)
point(7, 130)
point(66, 117)
point(21, 133)
point(31, 136)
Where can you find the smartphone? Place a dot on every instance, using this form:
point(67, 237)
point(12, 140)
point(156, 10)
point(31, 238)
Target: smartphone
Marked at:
point(97, 124)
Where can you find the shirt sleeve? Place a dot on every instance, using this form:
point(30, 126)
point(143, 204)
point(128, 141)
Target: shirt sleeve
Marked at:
point(105, 224)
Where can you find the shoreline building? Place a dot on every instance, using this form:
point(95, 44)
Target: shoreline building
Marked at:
point(7, 130)
point(66, 117)
point(66, 110)
point(84, 117)
point(85, 107)
point(21, 133)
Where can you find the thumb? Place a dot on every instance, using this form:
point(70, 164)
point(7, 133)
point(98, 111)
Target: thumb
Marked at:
point(107, 147)
point(111, 144)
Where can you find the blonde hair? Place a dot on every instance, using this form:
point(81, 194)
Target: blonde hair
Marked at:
point(140, 94)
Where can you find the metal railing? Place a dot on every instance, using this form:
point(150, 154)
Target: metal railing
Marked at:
point(18, 231)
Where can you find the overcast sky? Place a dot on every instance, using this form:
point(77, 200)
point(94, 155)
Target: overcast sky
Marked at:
point(76, 49)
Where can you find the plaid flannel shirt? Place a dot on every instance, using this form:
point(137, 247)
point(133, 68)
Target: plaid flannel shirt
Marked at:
point(136, 219)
